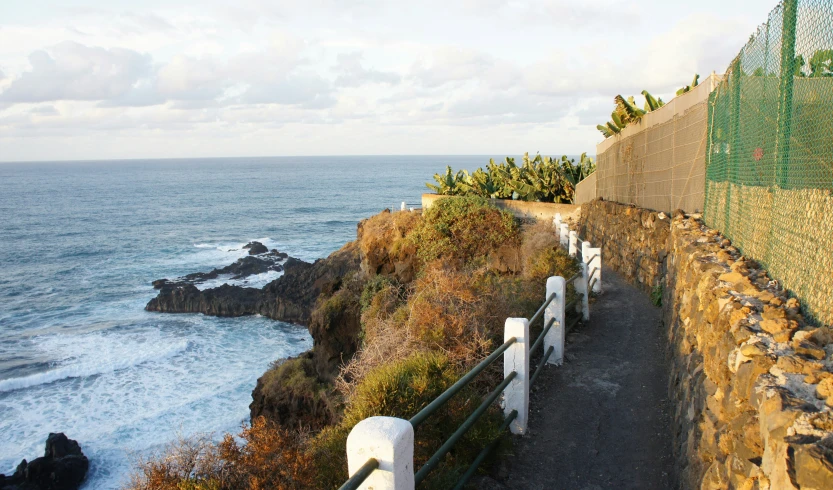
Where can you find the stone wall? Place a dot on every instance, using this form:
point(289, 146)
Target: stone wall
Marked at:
point(633, 240)
point(751, 381)
point(542, 211)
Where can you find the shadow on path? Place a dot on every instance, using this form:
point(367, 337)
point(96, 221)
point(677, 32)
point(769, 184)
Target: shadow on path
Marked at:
point(602, 420)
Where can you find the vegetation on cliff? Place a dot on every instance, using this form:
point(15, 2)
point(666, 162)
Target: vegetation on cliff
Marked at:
point(428, 301)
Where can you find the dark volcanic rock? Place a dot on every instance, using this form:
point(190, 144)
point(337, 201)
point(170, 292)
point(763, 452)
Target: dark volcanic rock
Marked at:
point(62, 467)
point(289, 298)
point(244, 267)
point(256, 248)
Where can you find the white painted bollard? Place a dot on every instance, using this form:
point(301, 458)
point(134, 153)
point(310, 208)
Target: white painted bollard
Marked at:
point(516, 358)
point(580, 284)
point(556, 222)
point(402, 208)
point(391, 441)
point(555, 337)
point(565, 235)
point(573, 243)
point(594, 268)
point(585, 246)
point(412, 210)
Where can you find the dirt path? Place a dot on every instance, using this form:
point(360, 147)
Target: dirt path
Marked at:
point(602, 420)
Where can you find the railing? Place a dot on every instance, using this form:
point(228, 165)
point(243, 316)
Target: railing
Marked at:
point(410, 206)
point(380, 450)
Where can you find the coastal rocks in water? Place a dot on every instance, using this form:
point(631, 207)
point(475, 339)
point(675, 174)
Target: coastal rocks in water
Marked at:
point(255, 248)
point(62, 467)
point(289, 298)
point(243, 268)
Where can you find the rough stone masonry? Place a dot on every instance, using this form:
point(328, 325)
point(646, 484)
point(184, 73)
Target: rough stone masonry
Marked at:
point(752, 381)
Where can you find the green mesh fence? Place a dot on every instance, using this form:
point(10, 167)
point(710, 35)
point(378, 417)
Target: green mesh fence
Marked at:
point(769, 168)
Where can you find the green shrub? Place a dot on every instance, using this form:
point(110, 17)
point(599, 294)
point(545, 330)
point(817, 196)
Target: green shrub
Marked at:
point(461, 229)
point(401, 389)
point(656, 295)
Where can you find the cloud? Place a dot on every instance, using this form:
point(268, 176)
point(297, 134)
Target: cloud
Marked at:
point(44, 110)
point(308, 90)
point(353, 74)
point(72, 71)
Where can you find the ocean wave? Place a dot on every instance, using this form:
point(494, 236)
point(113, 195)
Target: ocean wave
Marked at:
point(93, 367)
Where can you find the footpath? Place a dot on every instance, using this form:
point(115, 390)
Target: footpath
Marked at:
point(602, 420)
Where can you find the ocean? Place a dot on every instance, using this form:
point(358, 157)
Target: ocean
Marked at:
point(80, 243)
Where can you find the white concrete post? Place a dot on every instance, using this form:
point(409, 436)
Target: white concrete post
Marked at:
point(581, 288)
point(391, 441)
point(412, 210)
point(556, 222)
point(516, 358)
point(585, 246)
point(595, 268)
point(555, 337)
point(402, 208)
point(565, 235)
point(573, 243)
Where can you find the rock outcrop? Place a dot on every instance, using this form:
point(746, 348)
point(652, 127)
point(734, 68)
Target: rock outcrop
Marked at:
point(242, 268)
point(62, 467)
point(289, 298)
point(255, 248)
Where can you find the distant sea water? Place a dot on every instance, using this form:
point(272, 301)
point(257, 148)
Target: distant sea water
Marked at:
point(80, 243)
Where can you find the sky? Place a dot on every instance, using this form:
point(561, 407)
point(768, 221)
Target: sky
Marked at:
point(175, 79)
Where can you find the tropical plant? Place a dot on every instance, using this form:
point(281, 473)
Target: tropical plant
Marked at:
point(538, 178)
point(627, 112)
point(688, 88)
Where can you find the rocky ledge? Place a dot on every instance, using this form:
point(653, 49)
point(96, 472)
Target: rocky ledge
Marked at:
point(62, 467)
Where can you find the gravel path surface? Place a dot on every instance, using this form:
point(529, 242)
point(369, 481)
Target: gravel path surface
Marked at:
point(602, 420)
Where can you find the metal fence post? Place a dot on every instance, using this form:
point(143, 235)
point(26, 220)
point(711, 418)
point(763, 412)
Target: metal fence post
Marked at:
point(564, 235)
point(595, 268)
point(390, 441)
point(555, 337)
point(516, 359)
point(573, 243)
point(581, 288)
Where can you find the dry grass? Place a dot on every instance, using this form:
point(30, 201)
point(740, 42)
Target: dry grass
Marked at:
point(270, 457)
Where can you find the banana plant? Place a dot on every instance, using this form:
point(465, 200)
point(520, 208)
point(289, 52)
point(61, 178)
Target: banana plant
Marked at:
point(448, 183)
point(688, 88)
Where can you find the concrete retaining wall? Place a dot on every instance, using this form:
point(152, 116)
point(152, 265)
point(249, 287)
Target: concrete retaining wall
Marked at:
point(544, 211)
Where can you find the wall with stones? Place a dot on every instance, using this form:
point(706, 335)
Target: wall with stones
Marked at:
point(752, 382)
point(634, 241)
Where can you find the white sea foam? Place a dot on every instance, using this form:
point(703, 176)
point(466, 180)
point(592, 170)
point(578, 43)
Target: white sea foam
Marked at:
point(96, 362)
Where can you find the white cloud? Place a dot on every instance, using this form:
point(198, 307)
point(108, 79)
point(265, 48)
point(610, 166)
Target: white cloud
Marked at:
point(353, 74)
point(72, 71)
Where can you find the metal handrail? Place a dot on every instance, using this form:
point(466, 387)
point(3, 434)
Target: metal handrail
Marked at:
point(446, 447)
point(572, 303)
point(576, 276)
point(573, 323)
point(423, 414)
point(541, 309)
point(541, 364)
point(485, 452)
point(543, 333)
point(590, 287)
point(591, 259)
point(361, 475)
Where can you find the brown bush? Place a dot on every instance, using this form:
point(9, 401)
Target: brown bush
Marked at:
point(269, 457)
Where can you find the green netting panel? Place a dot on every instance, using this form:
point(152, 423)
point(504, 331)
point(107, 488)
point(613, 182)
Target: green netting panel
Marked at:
point(769, 168)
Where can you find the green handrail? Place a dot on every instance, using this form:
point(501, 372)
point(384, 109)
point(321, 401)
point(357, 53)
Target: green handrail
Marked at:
point(541, 364)
point(576, 276)
point(423, 414)
point(572, 303)
point(573, 323)
point(590, 287)
point(485, 452)
point(445, 448)
point(590, 259)
point(361, 475)
point(541, 309)
point(543, 333)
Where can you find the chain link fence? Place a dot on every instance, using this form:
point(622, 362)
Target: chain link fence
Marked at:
point(769, 170)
